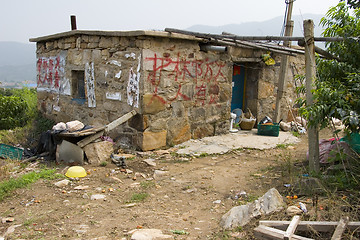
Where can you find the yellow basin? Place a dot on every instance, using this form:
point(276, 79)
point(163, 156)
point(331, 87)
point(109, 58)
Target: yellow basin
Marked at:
point(75, 171)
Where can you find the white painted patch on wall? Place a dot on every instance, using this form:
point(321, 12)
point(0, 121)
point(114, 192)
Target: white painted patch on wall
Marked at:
point(133, 86)
point(65, 87)
point(113, 96)
point(118, 75)
point(131, 55)
point(114, 62)
point(90, 84)
point(133, 89)
point(50, 73)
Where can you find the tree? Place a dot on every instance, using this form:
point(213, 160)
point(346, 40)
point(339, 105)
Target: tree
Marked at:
point(337, 91)
point(353, 3)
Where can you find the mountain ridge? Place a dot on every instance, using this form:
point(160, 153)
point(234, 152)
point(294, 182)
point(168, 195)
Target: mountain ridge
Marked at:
point(18, 60)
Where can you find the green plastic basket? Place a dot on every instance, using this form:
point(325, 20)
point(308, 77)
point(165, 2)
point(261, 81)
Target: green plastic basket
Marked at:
point(268, 130)
point(7, 151)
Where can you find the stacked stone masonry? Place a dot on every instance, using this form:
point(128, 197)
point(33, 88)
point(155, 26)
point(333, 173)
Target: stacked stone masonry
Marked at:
point(178, 91)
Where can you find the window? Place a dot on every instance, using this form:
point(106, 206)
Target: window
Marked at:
point(78, 84)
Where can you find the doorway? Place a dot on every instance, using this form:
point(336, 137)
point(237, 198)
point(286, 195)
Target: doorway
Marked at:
point(238, 87)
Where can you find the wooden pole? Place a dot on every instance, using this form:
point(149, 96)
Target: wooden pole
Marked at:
point(310, 68)
point(284, 63)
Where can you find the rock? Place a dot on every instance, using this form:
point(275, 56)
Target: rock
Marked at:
point(285, 126)
point(8, 219)
point(97, 197)
point(81, 229)
point(151, 162)
point(74, 126)
point(159, 173)
point(80, 187)
point(149, 234)
point(153, 140)
point(217, 202)
point(153, 104)
point(62, 183)
point(270, 202)
point(99, 152)
point(293, 210)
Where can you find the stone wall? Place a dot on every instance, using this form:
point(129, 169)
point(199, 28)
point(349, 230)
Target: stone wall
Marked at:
point(179, 91)
point(110, 72)
point(268, 86)
point(187, 92)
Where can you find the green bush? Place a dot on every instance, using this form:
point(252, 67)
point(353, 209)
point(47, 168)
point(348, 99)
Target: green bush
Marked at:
point(18, 108)
point(12, 112)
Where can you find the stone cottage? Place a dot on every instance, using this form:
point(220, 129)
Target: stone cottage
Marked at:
point(181, 86)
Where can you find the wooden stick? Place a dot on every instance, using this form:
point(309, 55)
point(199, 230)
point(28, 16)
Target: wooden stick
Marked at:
point(316, 225)
point(291, 228)
point(120, 120)
point(89, 139)
point(264, 232)
point(340, 229)
point(30, 159)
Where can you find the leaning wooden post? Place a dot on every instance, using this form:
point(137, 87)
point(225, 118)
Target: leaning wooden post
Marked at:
point(310, 68)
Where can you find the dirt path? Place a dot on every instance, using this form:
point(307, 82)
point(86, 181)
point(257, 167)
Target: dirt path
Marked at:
point(189, 194)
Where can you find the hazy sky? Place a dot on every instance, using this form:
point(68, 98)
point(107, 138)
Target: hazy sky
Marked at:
point(24, 19)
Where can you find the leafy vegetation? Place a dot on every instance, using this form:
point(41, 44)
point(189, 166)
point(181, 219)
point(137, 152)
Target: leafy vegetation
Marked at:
point(337, 92)
point(337, 87)
point(17, 107)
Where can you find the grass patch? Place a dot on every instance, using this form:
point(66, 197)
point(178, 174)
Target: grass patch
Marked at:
point(139, 197)
point(147, 184)
point(295, 134)
point(282, 146)
point(8, 186)
point(103, 164)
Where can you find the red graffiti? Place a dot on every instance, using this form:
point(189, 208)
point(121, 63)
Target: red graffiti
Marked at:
point(203, 73)
point(179, 94)
point(49, 72)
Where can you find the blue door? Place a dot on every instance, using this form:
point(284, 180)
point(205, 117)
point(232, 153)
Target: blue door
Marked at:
point(238, 88)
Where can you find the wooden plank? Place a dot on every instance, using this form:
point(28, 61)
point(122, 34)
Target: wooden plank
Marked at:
point(89, 139)
point(340, 229)
point(292, 227)
point(269, 233)
point(82, 133)
point(319, 226)
point(120, 120)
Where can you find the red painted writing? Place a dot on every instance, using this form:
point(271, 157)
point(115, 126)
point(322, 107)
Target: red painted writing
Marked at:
point(204, 76)
point(49, 72)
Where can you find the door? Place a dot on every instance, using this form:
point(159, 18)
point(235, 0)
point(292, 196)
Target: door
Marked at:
point(238, 87)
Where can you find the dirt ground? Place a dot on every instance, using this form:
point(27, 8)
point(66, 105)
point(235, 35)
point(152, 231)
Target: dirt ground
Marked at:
point(189, 194)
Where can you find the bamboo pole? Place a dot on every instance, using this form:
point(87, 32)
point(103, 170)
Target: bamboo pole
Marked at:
point(310, 68)
point(253, 38)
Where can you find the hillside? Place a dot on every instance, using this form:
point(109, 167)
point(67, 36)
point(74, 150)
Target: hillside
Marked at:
point(18, 60)
point(266, 28)
point(17, 63)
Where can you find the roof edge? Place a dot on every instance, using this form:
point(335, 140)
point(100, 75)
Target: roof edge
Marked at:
point(114, 34)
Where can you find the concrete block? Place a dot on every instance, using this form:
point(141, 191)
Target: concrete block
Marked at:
point(69, 154)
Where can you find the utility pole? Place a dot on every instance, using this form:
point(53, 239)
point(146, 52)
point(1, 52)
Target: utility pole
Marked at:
point(284, 62)
point(310, 68)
